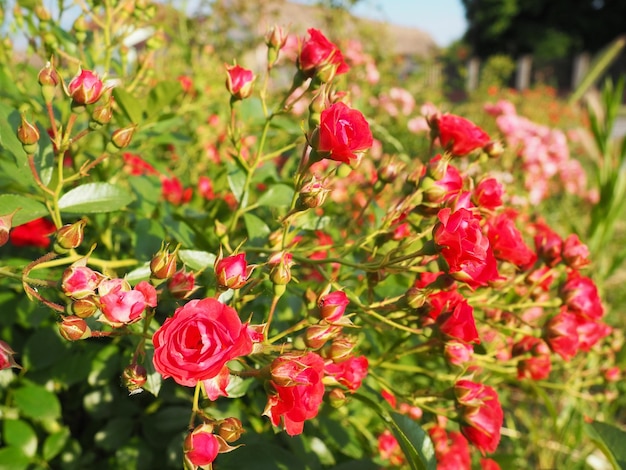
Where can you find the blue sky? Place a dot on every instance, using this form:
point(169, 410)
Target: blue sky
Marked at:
point(444, 20)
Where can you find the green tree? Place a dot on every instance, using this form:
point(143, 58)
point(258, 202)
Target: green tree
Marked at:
point(546, 28)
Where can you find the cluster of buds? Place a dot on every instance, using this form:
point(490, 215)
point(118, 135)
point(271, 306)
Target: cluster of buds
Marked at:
point(206, 441)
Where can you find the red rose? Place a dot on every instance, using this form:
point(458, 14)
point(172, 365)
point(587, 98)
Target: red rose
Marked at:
point(349, 373)
point(580, 294)
point(239, 81)
point(575, 253)
point(343, 133)
point(481, 414)
point(507, 242)
point(198, 341)
point(561, 334)
point(536, 365)
point(458, 135)
point(488, 194)
point(6, 356)
point(590, 332)
point(201, 447)
point(33, 233)
point(298, 390)
point(464, 247)
point(333, 305)
point(317, 53)
point(451, 449)
point(232, 272)
point(548, 244)
point(458, 323)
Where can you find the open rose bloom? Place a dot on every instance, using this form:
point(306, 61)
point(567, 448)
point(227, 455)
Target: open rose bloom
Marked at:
point(309, 260)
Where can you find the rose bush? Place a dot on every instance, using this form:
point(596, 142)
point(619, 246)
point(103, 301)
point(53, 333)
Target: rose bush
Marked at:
point(298, 244)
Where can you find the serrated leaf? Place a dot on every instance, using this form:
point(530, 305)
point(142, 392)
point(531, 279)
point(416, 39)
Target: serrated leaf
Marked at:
point(415, 443)
point(37, 403)
point(92, 198)
point(29, 209)
point(54, 444)
point(279, 195)
point(610, 440)
point(130, 106)
point(20, 434)
point(197, 260)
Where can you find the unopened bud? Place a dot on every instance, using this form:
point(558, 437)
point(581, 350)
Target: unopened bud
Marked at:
point(316, 336)
point(6, 222)
point(28, 135)
point(163, 264)
point(134, 377)
point(230, 429)
point(70, 236)
point(494, 149)
point(280, 273)
point(6, 357)
point(239, 81)
point(84, 308)
point(415, 297)
point(42, 14)
point(80, 29)
point(182, 284)
point(389, 169)
point(340, 349)
point(48, 80)
point(74, 328)
point(313, 194)
point(101, 115)
point(121, 138)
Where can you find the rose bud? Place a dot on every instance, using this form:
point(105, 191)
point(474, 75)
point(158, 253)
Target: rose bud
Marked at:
point(337, 398)
point(332, 306)
point(5, 226)
point(319, 56)
point(74, 328)
point(316, 336)
point(48, 80)
point(163, 264)
point(575, 253)
point(84, 308)
point(28, 135)
point(232, 272)
point(280, 273)
point(79, 281)
point(134, 377)
point(488, 194)
point(201, 447)
point(458, 352)
point(121, 138)
point(6, 357)
point(276, 37)
point(340, 349)
point(85, 88)
point(458, 135)
point(230, 429)
point(312, 194)
point(182, 284)
point(239, 81)
point(70, 236)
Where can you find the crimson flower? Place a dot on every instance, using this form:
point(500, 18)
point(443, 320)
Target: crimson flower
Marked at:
point(343, 133)
point(318, 53)
point(458, 135)
point(85, 88)
point(239, 81)
point(34, 233)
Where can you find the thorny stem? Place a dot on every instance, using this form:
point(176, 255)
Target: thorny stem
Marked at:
point(270, 316)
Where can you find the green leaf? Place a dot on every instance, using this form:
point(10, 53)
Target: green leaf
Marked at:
point(279, 195)
point(91, 198)
point(610, 440)
point(55, 443)
point(37, 403)
point(258, 231)
point(8, 136)
point(20, 434)
point(115, 433)
point(197, 260)
point(237, 182)
point(44, 160)
point(29, 209)
point(415, 443)
point(12, 458)
point(105, 366)
point(155, 380)
point(130, 106)
point(162, 96)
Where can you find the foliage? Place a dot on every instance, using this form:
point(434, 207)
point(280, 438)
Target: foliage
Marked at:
point(337, 265)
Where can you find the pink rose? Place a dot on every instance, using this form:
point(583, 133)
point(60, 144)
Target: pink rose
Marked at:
point(85, 88)
point(239, 81)
point(201, 447)
point(198, 340)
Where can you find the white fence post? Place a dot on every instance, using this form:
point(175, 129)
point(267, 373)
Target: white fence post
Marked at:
point(522, 76)
point(473, 71)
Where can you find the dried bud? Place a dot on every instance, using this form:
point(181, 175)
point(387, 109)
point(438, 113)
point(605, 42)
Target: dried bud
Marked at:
point(74, 328)
point(28, 135)
point(70, 236)
point(163, 264)
point(230, 429)
point(134, 377)
point(121, 138)
point(5, 226)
